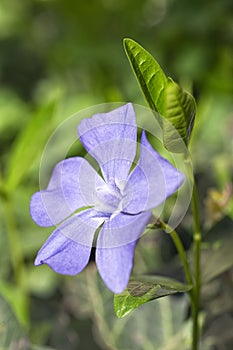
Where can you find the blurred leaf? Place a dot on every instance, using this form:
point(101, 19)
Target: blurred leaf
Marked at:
point(32, 236)
point(217, 296)
point(212, 135)
point(29, 145)
point(217, 259)
point(39, 347)
point(16, 299)
point(11, 17)
point(180, 112)
point(218, 203)
point(12, 334)
point(149, 74)
point(143, 289)
point(223, 326)
point(42, 281)
point(4, 246)
point(164, 96)
point(12, 115)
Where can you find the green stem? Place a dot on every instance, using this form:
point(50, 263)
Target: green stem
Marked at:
point(180, 249)
point(197, 271)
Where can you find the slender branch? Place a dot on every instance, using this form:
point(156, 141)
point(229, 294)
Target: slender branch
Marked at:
point(196, 219)
point(197, 270)
point(180, 249)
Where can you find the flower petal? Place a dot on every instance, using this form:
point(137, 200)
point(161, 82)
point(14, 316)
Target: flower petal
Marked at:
point(115, 248)
point(71, 187)
point(151, 182)
point(67, 250)
point(111, 139)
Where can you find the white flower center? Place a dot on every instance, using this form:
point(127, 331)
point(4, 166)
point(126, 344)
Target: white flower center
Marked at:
point(108, 199)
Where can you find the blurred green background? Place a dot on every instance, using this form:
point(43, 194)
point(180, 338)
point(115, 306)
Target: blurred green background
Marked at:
point(56, 58)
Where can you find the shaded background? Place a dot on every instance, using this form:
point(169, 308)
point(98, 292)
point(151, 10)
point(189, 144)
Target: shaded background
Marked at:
point(57, 57)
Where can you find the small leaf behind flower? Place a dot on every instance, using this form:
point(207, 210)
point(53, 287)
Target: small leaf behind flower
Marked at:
point(142, 289)
point(180, 112)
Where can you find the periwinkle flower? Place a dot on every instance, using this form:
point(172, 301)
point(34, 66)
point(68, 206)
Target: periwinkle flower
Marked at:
point(117, 205)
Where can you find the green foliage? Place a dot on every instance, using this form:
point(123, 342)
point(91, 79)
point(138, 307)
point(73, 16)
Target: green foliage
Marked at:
point(163, 96)
point(180, 112)
point(38, 347)
point(149, 74)
point(142, 289)
point(16, 299)
point(12, 334)
point(29, 146)
point(14, 115)
point(217, 256)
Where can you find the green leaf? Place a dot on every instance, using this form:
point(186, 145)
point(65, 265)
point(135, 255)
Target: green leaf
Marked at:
point(179, 115)
point(16, 299)
point(12, 334)
point(142, 289)
point(149, 74)
point(13, 114)
point(29, 145)
point(163, 96)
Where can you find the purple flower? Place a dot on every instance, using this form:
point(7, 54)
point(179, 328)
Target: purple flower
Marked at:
point(79, 201)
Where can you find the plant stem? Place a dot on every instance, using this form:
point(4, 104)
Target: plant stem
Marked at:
point(180, 249)
point(197, 272)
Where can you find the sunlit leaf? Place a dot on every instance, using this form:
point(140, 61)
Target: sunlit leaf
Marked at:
point(163, 96)
point(149, 74)
point(180, 113)
point(16, 299)
point(140, 290)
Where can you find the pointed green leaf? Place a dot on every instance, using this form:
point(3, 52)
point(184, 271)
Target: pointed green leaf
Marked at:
point(163, 96)
point(180, 113)
point(149, 74)
point(142, 289)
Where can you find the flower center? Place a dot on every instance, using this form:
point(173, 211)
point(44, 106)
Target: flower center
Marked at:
point(108, 198)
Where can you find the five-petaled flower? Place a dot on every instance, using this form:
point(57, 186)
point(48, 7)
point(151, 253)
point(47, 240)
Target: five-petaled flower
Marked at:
point(79, 201)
